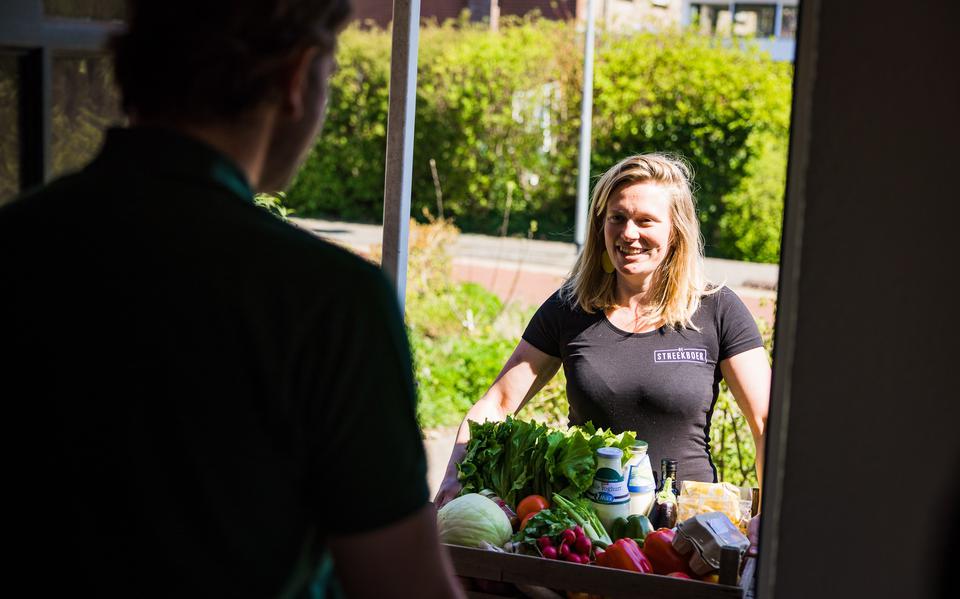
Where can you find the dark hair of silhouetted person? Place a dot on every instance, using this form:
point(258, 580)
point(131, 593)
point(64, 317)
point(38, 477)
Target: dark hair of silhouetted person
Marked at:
point(205, 60)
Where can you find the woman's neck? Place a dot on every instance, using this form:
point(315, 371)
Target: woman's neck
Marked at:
point(633, 293)
point(634, 310)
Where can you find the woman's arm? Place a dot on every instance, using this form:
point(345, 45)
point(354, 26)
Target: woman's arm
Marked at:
point(748, 376)
point(526, 372)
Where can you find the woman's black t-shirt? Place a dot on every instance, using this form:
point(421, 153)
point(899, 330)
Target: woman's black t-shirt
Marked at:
point(662, 384)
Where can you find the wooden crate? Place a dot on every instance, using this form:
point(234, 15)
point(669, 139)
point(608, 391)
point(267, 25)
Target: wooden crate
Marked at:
point(608, 582)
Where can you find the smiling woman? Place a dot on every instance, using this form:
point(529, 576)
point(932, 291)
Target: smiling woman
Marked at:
point(644, 339)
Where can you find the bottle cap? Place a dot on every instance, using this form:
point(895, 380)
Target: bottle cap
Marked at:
point(639, 447)
point(668, 465)
point(609, 452)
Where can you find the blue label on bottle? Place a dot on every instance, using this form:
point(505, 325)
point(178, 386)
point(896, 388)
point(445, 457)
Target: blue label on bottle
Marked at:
point(635, 482)
point(608, 492)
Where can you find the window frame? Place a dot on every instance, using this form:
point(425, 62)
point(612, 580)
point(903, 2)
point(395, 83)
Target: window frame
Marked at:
point(26, 31)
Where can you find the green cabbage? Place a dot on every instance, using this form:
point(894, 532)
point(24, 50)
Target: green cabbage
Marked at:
point(471, 519)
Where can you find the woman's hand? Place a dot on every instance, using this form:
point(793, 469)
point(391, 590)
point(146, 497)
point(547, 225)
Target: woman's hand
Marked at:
point(753, 533)
point(449, 489)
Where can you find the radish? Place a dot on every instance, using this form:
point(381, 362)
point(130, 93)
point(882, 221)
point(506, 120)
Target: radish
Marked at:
point(549, 552)
point(544, 542)
point(583, 545)
point(564, 550)
point(568, 536)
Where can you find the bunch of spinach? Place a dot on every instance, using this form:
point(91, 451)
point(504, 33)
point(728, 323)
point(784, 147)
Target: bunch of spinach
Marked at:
point(516, 458)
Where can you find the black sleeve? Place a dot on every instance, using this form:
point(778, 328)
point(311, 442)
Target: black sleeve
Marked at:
point(543, 330)
point(738, 330)
point(367, 462)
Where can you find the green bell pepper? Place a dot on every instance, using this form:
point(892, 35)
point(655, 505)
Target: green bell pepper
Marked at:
point(636, 527)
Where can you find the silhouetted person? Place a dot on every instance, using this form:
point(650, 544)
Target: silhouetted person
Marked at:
point(201, 399)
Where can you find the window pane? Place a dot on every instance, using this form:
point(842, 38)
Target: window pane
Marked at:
point(755, 19)
point(711, 19)
point(101, 10)
point(9, 128)
point(788, 26)
point(85, 104)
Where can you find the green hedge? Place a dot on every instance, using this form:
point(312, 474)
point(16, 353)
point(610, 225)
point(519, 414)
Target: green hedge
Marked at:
point(499, 114)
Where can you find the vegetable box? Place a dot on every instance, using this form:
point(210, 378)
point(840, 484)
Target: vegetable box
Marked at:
point(495, 569)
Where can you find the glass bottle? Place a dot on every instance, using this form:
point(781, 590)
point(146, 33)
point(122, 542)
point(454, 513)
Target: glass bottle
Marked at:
point(640, 482)
point(668, 470)
point(608, 494)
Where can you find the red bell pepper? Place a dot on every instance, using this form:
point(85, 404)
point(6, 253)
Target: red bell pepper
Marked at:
point(658, 547)
point(625, 554)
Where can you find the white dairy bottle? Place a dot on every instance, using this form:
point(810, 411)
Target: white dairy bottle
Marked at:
point(608, 495)
point(640, 483)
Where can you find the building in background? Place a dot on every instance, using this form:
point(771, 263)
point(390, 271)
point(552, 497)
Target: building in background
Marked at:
point(633, 15)
point(619, 14)
point(380, 11)
point(772, 23)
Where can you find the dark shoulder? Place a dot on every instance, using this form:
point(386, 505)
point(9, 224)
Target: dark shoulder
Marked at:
point(299, 253)
point(563, 304)
point(718, 299)
point(33, 203)
point(714, 304)
point(562, 313)
point(40, 218)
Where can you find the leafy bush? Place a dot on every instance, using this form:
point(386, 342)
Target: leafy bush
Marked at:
point(343, 174)
point(274, 204)
point(749, 224)
point(454, 373)
point(498, 113)
point(460, 334)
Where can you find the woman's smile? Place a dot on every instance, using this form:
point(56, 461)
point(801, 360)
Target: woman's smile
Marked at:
point(630, 250)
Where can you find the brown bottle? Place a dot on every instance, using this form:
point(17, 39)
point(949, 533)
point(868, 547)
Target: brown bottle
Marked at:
point(668, 469)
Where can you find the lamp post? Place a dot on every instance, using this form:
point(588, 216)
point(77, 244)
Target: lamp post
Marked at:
point(400, 120)
point(586, 116)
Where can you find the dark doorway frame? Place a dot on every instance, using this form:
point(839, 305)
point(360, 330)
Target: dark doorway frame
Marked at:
point(788, 287)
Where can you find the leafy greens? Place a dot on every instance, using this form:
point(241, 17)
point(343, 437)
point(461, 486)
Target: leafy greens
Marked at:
point(516, 458)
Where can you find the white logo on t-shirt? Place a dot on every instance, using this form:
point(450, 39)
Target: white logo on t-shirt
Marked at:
point(696, 355)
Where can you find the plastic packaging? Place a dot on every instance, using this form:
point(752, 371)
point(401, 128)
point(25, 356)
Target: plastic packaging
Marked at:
point(701, 498)
point(704, 536)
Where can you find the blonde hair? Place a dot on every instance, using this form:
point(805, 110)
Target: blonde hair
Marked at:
point(680, 281)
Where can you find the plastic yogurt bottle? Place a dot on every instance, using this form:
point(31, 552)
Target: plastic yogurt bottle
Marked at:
point(640, 483)
point(608, 494)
